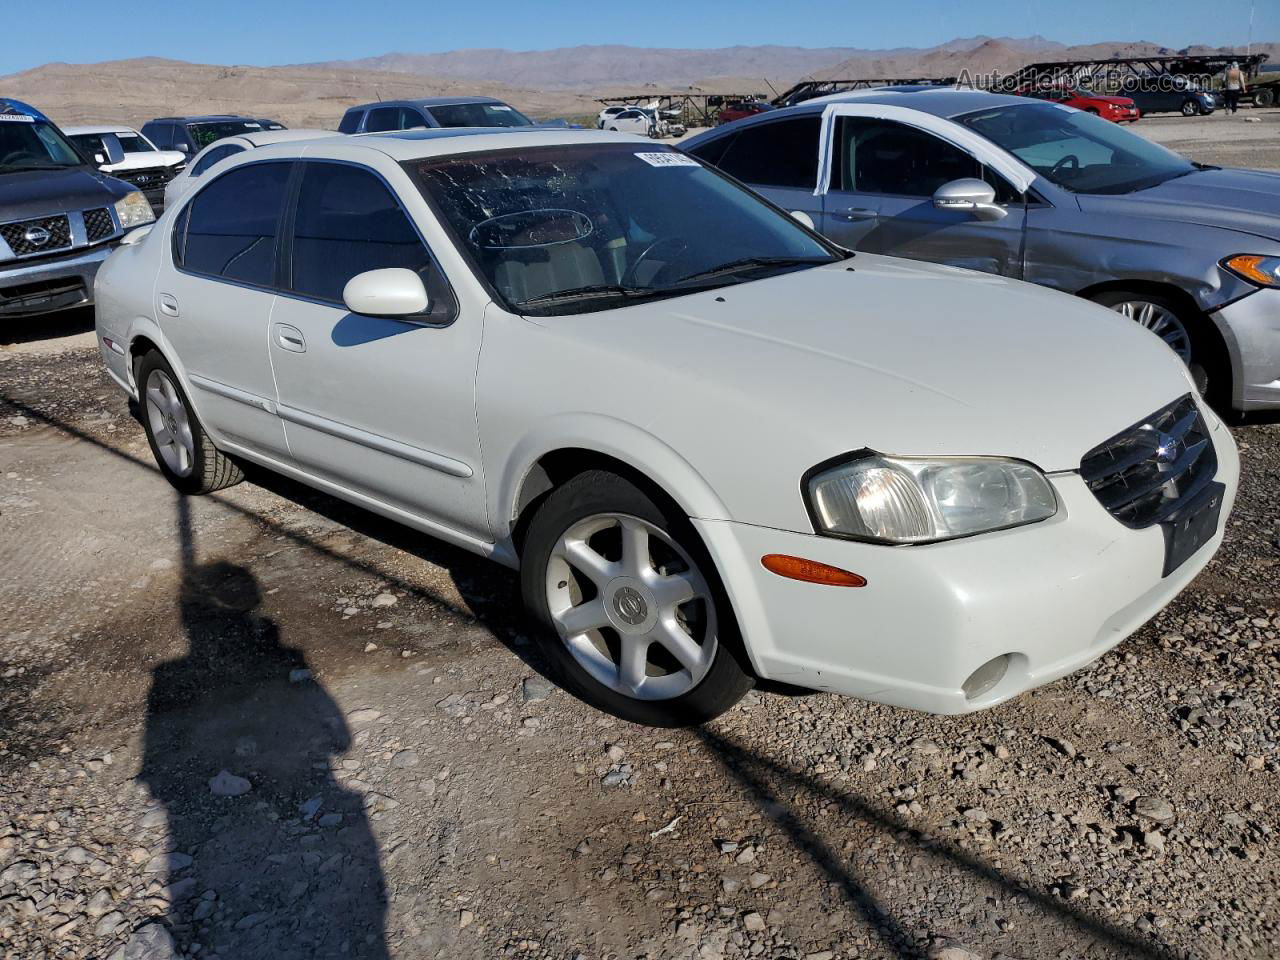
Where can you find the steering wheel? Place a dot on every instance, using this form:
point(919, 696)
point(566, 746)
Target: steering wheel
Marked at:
point(1070, 160)
point(15, 155)
point(679, 244)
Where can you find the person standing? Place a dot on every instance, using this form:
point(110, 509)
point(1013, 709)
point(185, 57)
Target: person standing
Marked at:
point(1235, 86)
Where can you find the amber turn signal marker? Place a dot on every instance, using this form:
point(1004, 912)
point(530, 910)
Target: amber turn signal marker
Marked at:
point(810, 571)
point(1247, 266)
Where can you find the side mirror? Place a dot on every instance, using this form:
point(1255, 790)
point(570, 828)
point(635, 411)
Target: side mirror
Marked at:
point(972, 196)
point(100, 159)
point(182, 146)
point(804, 218)
point(390, 292)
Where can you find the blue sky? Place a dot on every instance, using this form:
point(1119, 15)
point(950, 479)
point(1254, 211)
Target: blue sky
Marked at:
point(293, 31)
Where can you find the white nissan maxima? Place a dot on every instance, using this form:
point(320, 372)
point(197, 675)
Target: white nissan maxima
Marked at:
point(717, 447)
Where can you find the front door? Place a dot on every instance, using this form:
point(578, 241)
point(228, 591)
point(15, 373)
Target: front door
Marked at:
point(383, 407)
point(213, 300)
point(884, 176)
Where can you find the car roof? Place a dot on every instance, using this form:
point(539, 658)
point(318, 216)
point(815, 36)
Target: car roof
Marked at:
point(204, 118)
point(98, 128)
point(265, 138)
point(936, 100)
point(402, 145)
point(8, 105)
point(426, 102)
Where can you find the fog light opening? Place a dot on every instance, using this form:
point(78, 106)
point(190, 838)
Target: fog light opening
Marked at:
point(986, 677)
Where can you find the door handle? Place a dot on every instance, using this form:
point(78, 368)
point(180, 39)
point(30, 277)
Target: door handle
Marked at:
point(857, 213)
point(290, 338)
point(168, 304)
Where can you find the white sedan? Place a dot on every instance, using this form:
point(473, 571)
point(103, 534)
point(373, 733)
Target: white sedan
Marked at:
point(633, 120)
point(717, 447)
point(229, 147)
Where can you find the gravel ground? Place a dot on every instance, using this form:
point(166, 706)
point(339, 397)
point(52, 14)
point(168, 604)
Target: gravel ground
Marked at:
point(265, 724)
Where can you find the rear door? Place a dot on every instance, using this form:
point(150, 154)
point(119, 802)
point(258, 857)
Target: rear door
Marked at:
point(383, 407)
point(894, 169)
point(778, 159)
point(214, 296)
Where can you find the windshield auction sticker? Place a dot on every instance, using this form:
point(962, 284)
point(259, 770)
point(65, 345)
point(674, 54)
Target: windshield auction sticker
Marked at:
point(668, 160)
point(17, 118)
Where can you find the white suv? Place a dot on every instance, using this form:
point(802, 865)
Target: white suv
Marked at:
point(716, 446)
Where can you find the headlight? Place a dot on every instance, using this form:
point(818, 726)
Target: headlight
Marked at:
point(133, 210)
point(910, 500)
point(1264, 271)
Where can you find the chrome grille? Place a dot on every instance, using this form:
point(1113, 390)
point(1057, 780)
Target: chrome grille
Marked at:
point(42, 235)
point(1143, 475)
point(98, 224)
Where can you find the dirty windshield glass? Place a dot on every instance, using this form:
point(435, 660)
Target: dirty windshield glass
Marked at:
point(205, 133)
point(30, 144)
point(1077, 150)
point(569, 229)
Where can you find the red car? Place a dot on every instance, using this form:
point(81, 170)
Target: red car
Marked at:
point(1115, 109)
point(737, 109)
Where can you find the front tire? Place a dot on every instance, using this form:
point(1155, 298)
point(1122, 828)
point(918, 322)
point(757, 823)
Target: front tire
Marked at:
point(183, 451)
point(633, 617)
point(1183, 331)
point(1190, 108)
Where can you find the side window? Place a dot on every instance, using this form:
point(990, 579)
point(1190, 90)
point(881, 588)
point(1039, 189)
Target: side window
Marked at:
point(350, 121)
point(232, 224)
point(713, 151)
point(383, 118)
point(213, 156)
point(411, 119)
point(161, 134)
point(348, 222)
point(879, 156)
point(783, 153)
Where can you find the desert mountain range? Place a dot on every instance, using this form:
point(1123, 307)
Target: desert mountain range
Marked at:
point(543, 83)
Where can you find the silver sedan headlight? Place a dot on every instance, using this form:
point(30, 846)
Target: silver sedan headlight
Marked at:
point(133, 210)
point(916, 500)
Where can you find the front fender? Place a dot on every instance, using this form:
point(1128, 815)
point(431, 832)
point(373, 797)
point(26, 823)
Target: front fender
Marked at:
point(597, 433)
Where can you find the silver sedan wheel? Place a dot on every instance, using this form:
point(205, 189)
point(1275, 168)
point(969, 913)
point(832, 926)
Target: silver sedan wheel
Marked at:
point(1161, 321)
point(170, 425)
point(632, 607)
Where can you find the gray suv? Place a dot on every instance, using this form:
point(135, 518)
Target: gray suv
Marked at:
point(1040, 192)
point(60, 216)
point(431, 112)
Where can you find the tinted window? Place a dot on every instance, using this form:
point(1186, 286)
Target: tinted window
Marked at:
point(213, 156)
point(132, 143)
point(350, 121)
point(206, 132)
point(479, 115)
point(883, 157)
point(383, 118)
point(161, 134)
point(713, 151)
point(231, 228)
point(779, 154)
point(348, 222)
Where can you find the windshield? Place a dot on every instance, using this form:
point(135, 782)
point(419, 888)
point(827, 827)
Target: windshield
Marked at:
point(576, 228)
point(205, 133)
point(1075, 150)
point(479, 115)
point(30, 144)
point(134, 143)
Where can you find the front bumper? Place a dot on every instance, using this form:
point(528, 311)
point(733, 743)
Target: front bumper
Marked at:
point(1054, 595)
point(1251, 328)
point(28, 289)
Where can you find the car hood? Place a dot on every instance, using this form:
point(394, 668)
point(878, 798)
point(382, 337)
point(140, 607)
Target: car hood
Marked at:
point(893, 355)
point(1243, 200)
point(147, 160)
point(43, 193)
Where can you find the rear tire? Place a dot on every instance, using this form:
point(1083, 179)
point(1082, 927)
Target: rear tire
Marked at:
point(1265, 97)
point(632, 615)
point(183, 451)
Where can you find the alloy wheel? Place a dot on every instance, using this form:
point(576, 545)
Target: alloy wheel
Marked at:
point(169, 423)
point(632, 607)
point(1161, 321)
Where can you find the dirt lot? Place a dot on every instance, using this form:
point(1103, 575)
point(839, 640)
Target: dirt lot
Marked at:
point(265, 724)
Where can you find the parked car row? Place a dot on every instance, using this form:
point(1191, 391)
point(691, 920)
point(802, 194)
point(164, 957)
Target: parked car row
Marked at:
point(719, 445)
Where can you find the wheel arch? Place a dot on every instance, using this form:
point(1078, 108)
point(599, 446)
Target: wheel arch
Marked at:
point(585, 442)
